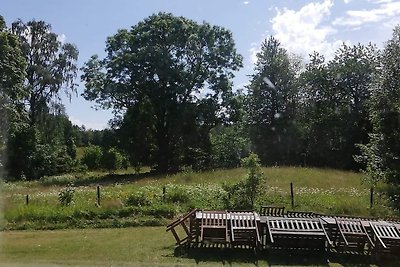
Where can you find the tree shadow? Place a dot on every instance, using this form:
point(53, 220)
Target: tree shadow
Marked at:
point(229, 256)
point(223, 255)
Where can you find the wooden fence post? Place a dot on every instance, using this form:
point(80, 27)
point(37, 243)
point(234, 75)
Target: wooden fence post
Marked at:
point(163, 193)
point(292, 194)
point(98, 195)
point(27, 199)
point(371, 197)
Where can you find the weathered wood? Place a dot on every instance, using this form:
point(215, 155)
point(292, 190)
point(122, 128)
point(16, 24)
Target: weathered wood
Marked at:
point(244, 228)
point(214, 226)
point(353, 232)
point(272, 211)
point(386, 233)
point(300, 228)
point(182, 221)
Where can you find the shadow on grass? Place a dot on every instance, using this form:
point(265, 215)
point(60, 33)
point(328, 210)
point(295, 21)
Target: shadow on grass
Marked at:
point(226, 256)
point(102, 179)
point(229, 256)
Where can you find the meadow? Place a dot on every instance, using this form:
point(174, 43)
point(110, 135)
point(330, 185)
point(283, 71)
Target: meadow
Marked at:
point(134, 211)
point(144, 199)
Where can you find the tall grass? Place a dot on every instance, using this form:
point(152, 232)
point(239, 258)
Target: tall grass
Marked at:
point(139, 199)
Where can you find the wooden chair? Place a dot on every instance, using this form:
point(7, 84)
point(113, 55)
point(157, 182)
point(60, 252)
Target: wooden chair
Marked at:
point(353, 234)
point(214, 226)
point(387, 236)
point(244, 229)
point(300, 233)
point(183, 221)
point(272, 211)
point(301, 214)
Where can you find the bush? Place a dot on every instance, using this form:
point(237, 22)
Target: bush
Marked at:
point(28, 156)
point(92, 156)
point(244, 193)
point(112, 160)
point(66, 195)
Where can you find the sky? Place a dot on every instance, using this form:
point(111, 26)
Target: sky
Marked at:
point(301, 26)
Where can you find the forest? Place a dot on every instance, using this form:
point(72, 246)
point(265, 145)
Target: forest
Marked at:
point(168, 81)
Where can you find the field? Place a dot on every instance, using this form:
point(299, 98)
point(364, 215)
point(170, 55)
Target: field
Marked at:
point(146, 200)
point(138, 200)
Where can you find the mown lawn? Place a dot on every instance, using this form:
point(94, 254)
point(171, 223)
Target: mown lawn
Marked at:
point(140, 246)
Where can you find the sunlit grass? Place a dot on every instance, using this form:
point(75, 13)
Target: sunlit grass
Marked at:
point(324, 191)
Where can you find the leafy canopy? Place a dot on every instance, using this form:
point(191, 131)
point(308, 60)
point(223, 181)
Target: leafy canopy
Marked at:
point(170, 77)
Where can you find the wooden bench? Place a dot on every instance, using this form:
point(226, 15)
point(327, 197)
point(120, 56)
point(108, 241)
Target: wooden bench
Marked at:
point(244, 228)
point(272, 211)
point(353, 234)
point(386, 234)
point(304, 233)
point(301, 214)
point(214, 226)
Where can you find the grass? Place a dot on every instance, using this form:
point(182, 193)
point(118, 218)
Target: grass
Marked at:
point(319, 190)
point(137, 199)
point(140, 246)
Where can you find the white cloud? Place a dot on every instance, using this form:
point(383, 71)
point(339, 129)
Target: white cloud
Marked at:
point(88, 125)
point(61, 38)
point(384, 12)
point(253, 53)
point(346, 1)
point(246, 2)
point(303, 31)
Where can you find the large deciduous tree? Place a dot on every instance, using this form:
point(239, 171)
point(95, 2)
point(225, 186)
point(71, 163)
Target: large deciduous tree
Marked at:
point(51, 66)
point(12, 67)
point(335, 98)
point(271, 104)
point(39, 147)
point(381, 155)
point(169, 77)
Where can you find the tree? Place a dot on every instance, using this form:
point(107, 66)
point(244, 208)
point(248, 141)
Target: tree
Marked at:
point(335, 97)
point(169, 75)
point(243, 194)
point(92, 157)
point(112, 160)
point(381, 156)
point(229, 144)
point(12, 71)
point(38, 147)
point(51, 66)
point(271, 104)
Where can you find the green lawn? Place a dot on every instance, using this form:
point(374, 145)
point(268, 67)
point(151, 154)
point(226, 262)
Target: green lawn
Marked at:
point(319, 190)
point(139, 246)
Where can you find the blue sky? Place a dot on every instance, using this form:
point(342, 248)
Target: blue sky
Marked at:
point(301, 26)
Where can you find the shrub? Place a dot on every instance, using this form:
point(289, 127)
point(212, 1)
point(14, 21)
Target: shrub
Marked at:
point(112, 160)
point(92, 157)
point(66, 195)
point(244, 193)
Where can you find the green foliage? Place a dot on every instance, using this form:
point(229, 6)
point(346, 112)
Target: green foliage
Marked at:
point(153, 72)
point(12, 72)
point(141, 202)
point(112, 160)
point(381, 156)
point(228, 145)
point(51, 66)
point(244, 193)
point(271, 105)
point(27, 156)
point(92, 156)
point(335, 111)
point(66, 195)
